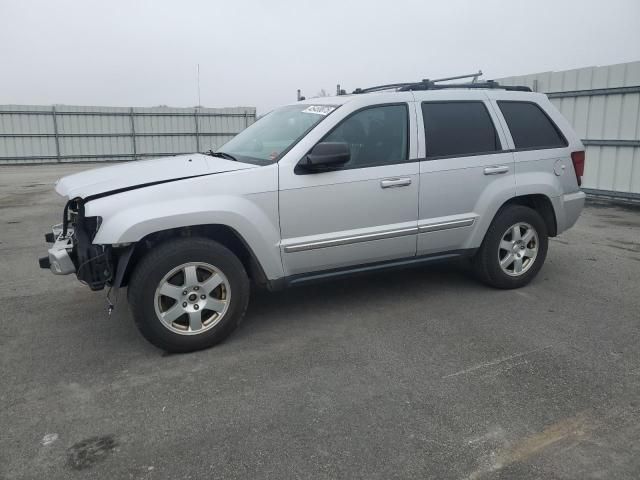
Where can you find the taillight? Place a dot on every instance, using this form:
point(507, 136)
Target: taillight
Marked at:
point(578, 164)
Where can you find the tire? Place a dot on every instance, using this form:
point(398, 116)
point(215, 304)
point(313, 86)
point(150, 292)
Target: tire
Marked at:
point(216, 287)
point(528, 253)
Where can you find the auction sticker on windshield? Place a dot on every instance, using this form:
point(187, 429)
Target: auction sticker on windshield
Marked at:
point(319, 109)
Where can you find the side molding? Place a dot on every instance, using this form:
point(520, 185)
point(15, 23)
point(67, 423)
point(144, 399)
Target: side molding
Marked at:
point(435, 227)
point(334, 242)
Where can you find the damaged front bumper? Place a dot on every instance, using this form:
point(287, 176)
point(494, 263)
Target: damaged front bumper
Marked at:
point(59, 259)
point(73, 250)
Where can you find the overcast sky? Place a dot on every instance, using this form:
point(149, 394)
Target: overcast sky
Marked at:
point(257, 53)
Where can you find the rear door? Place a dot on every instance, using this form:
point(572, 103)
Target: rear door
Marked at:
point(467, 170)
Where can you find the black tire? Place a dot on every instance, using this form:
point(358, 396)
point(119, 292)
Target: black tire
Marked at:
point(486, 262)
point(151, 270)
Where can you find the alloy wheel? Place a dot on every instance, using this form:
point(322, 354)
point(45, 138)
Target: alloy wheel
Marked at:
point(518, 249)
point(192, 298)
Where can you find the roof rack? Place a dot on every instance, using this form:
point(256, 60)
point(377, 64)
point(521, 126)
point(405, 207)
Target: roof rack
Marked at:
point(427, 84)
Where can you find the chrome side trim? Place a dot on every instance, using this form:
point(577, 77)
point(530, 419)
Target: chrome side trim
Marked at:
point(300, 247)
point(435, 227)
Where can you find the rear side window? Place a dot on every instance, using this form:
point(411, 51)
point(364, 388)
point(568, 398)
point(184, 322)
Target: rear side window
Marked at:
point(530, 126)
point(458, 128)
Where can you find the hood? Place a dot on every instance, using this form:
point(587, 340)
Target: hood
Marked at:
point(100, 181)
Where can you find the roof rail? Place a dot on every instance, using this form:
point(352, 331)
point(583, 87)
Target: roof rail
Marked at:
point(430, 85)
point(427, 84)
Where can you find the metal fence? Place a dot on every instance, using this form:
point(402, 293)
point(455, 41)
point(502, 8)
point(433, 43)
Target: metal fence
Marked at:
point(603, 105)
point(39, 134)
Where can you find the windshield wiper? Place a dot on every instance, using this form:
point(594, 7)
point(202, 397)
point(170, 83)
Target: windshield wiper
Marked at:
point(222, 155)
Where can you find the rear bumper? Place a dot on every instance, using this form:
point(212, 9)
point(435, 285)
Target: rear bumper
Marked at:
point(58, 258)
point(571, 205)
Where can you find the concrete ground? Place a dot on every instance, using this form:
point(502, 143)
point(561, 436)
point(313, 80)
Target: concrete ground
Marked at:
point(413, 374)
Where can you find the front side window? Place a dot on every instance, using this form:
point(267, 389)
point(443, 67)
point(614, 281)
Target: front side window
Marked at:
point(269, 138)
point(458, 128)
point(375, 135)
point(530, 127)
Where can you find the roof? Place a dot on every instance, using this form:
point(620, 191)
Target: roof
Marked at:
point(421, 86)
point(382, 96)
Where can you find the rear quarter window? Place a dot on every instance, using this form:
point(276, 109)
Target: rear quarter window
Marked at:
point(530, 126)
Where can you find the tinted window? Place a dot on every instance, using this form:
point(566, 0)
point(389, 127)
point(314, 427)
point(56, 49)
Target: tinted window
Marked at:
point(530, 127)
point(458, 128)
point(376, 136)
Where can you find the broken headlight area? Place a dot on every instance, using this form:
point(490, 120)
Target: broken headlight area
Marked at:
point(94, 263)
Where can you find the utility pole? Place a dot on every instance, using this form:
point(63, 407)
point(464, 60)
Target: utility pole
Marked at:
point(199, 101)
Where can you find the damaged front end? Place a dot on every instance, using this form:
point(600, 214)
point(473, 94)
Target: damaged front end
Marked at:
point(73, 250)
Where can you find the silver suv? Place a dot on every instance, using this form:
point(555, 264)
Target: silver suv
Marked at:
point(391, 176)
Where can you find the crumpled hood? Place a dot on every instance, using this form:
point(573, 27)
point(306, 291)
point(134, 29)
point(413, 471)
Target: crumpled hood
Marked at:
point(139, 173)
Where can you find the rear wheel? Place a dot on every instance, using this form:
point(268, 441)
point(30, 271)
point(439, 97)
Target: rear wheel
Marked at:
point(513, 249)
point(188, 294)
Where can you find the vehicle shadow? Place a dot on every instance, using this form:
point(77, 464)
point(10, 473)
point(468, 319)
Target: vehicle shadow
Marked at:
point(356, 296)
point(358, 293)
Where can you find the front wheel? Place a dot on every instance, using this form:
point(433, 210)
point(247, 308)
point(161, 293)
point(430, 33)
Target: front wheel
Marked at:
point(513, 249)
point(188, 294)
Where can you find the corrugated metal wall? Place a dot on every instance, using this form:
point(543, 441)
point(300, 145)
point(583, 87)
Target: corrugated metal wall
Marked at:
point(37, 134)
point(603, 105)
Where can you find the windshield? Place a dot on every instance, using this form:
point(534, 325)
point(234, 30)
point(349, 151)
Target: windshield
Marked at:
point(273, 135)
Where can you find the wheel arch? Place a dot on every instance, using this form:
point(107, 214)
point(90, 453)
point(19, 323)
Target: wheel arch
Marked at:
point(221, 233)
point(539, 202)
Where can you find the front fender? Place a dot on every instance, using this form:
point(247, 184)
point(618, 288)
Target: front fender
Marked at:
point(130, 216)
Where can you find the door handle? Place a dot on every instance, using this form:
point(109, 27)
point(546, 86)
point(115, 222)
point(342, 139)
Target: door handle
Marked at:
point(395, 182)
point(496, 170)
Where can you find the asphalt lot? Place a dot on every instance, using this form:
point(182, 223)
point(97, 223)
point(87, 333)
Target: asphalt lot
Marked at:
point(415, 374)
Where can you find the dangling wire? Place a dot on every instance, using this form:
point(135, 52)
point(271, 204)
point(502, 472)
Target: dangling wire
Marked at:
point(111, 305)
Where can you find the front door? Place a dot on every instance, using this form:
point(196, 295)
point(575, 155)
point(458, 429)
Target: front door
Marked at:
point(364, 212)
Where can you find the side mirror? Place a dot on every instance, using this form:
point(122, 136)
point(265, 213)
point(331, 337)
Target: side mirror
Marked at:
point(326, 155)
